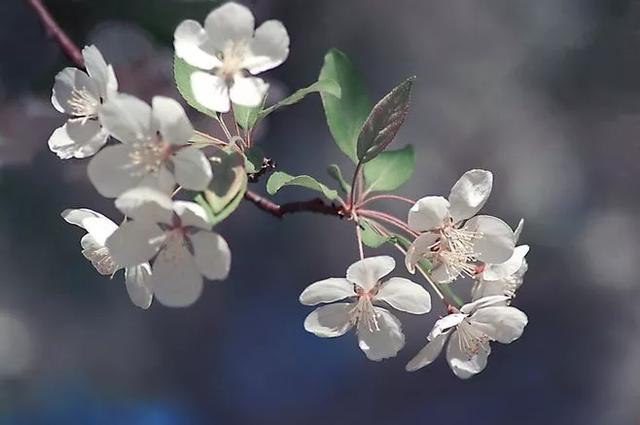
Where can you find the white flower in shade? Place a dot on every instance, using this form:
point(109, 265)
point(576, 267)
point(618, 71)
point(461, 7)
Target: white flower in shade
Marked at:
point(154, 150)
point(470, 330)
point(229, 47)
point(379, 332)
point(81, 95)
point(99, 228)
point(453, 237)
point(179, 238)
point(504, 278)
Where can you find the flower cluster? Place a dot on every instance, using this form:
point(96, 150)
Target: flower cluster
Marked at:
point(172, 184)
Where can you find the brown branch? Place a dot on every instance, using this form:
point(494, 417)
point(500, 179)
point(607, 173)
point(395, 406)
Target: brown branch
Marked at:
point(53, 29)
point(315, 205)
point(72, 51)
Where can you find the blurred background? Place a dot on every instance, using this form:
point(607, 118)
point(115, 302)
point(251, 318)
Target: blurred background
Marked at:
point(545, 93)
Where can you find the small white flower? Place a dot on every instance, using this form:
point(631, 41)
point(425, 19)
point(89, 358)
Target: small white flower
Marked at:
point(99, 228)
point(154, 150)
point(81, 95)
point(454, 238)
point(379, 332)
point(228, 47)
point(470, 330)
point(504, 278)
point(178, 235)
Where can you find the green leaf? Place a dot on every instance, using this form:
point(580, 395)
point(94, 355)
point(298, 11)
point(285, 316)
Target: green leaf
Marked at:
point(346, 114)
point(182, 73)
point(253, 160)
point(279, 179)
point(370, 236)
point(389, 170)
point(326, 87)
point(227, 186)
point(384, 121)
point(334, 171)
point(246, 116)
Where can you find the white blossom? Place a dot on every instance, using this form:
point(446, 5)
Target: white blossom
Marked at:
point(379, 332)
point(232, 51)
point(177, 236)
point(504, 278)
point(154, 150)
point(470, 331)
point(99, 228)
point(81, 95)
point(453, 238)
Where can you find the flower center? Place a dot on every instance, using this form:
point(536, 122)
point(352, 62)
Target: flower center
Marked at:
point(232, 57)
point(455, 249)
point(363, 312)
point(148, 157)
point(472, 340)
point(83, 104)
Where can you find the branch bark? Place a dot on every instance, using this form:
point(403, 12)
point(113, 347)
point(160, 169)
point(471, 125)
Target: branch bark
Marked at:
point(54, 31)
point(71, 50)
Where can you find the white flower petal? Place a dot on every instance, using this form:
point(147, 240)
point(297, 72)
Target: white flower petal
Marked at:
point(248, 91)
point(327, 291)
point(428, 213)
point(504, 324)
point(509, 267)
point(110, 171)
point(191, 214)
point(428, 354)
point(212, 255)
point(170, 120)
point(461, 365)
point(99, 70)
point(367, 272)
point(175, 280)
point(418, 249)
point(268, 49)
point(469, 194)
point(488, 288)
point(443, 274)
point(99, 255)
point(76, 139)
point(96, 224)
point(133, 243)
point(210, 91)
point(127, 118)
point(476, 305)
point(404, 295)
point(329, 321)
point(146, 204)
point(138, 282)
point(190, 44)
point(518, 231)
point(192, 169)
point(229, 22)
point(382, 343)
point(496, 243)
point(68, 80)
point(445, 324)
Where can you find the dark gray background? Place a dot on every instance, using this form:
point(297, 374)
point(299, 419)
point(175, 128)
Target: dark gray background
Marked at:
point(545, 93)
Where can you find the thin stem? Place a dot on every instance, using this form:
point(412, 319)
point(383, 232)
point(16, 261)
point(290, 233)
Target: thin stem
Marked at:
point(389, 219)
point(359, 238)
point(224, 128)
point(381, 229)
point(386, 196)
point(214, 140)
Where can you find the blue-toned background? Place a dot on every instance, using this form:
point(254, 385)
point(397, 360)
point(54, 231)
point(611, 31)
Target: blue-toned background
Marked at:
point(546, 93)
